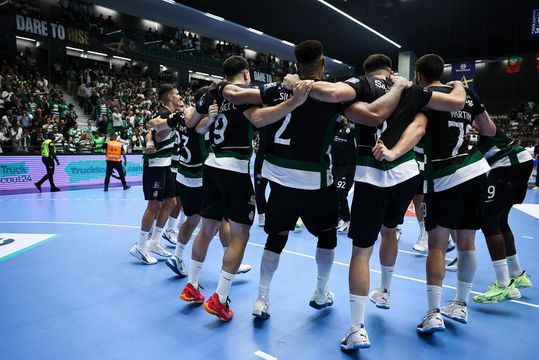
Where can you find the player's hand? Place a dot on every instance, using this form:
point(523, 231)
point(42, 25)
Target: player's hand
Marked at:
point(400, 81)
point(213, 110)
point(381, 152)
point(150, 150)
point(301, 91)
point(290, 80)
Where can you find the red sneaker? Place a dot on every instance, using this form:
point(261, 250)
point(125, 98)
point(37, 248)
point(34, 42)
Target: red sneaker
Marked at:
point(214, 307)
point(189, 294)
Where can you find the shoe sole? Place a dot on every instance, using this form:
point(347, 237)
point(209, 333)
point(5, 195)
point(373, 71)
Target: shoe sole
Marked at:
point(261, 315)
point(168, 240)
point(162, 256)
point(313, 304)
point(243, 271)
point(140, 259)
point(459, 320)
point(213, 312)
point(191, 299)
point(356, 347)
point(175, 270)
point(431, 330)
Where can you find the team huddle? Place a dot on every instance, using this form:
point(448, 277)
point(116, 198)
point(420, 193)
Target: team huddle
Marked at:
point(430, 138)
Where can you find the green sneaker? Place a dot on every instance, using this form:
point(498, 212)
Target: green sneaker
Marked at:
point(495, 293)
point(523, 280)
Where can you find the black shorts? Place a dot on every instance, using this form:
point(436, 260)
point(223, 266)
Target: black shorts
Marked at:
point(374, 206)
point(191, 198)
point(506, 186)
point(158, 183)
point(420, 190)
point(318, 209)
point(457, 208)
point(227, 194)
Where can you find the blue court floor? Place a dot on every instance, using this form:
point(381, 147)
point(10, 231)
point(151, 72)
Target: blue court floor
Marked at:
point(70, 290)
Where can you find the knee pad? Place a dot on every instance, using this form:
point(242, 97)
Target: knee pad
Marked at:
point(276, 243)
point(327, 239)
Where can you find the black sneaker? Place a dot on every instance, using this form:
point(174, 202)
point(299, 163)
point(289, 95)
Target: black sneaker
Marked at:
point(127, 187)
point(38, 186)
point(55, 189)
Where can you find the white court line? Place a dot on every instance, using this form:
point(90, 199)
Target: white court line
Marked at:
point(265, 356)
point(527, 237)
point(252, 244)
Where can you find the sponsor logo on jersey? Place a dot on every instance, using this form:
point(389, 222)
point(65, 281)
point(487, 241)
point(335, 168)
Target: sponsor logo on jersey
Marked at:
point(252, 200)
point(352, 80)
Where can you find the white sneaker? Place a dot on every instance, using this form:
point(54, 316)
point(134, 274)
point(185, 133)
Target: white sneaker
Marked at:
point(535, 188)
point(261, 308)
point(171, 237)
point(432, 322)
point(381, 298)
point(142, 255)
point(243, 269)
point(343, 229)
point(398, 230)
point(355, 338)
point(450, 245)
point(261, 220)
point(157, 248)
point(422, 244)
point(320, 300)
point(452, 265)
point(339, 224)
point(456, 310)
point(177, 266)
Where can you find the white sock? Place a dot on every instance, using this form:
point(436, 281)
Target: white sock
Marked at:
point(141, 244)
point(156, 234)
point(181, 218)
point(387, 275)
point(153, 225)
point(178, 251)
point(357, 310)
point(223, 287)
point(268, 266)
point(324, 262)
point(463, 291)
point(514, 265)
point(194, 272)
point(434, 296)
point(171, 223)
point(422, 227)
point(502, 272)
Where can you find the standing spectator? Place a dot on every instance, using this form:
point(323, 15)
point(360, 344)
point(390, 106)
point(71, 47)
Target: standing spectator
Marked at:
point(85, 144)
point(16, 136)
point(4, 137)
point(116, 119)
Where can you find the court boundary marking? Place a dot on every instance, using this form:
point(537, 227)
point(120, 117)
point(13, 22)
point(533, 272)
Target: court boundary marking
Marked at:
point(249, 243)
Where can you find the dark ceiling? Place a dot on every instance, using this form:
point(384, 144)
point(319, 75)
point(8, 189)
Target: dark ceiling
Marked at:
point(455, 29)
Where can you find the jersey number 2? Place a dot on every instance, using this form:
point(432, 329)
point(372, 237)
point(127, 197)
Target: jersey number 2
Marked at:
point(278, 139)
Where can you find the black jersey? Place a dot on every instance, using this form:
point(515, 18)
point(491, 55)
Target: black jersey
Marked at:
point(231, 138)
point(298, 146)
point(192, 152)
point(385, 173)
point(164, 148)
point(450, 160)
point(344, 146)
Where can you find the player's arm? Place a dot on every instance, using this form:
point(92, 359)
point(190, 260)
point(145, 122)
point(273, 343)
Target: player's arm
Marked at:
point(192, 117)
point(160, 123)
point(204, 125)
point(150, 146)
point(453, 101)
point(241, 96)
point(375, 113)
point(323, 90)
point(262, 116)
point(484, 124)
point(409, 138)
point(53, 154)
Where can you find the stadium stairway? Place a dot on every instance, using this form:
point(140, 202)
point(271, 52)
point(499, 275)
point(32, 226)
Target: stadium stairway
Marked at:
point(82, 118)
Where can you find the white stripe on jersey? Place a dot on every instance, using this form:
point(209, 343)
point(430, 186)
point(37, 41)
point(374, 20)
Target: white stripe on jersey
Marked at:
point(387, 178)
point(228, 163)
point(160, 162)
point(294, 178)
point(522, 157)
point(189, 182)
point(462, 175)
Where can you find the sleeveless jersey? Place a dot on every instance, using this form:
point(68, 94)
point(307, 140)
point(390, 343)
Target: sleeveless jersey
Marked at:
point(502, 151)
point(192, 152)
point(164, 148)
point(449, 159)
point(386, 173)
point(231, 138)
point(298, 147)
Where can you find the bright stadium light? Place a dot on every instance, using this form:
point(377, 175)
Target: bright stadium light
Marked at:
point(74, 49)
point(215, 17)
point(25, 38)
point(287, 43)
point(121, 58)
point(97, 53)
point(255, 31)
point(170, 2)
point(337, 61)
point(358, 22)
